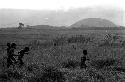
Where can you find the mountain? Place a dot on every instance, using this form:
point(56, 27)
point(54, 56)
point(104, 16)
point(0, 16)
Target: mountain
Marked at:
point(94, 22)
point(11, 17)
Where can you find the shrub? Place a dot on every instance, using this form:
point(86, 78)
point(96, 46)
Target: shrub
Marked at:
point(79, 39)
point(33, 79)
point(121, 69)
point(96, 76)
point(8, 74)
point(101, 63)
point(32, 67)
point(17, 75)
point(4, 77)
point(52, 74)
point(70, 64)
point(3, 62)
point(80, 79)
point(59, 41)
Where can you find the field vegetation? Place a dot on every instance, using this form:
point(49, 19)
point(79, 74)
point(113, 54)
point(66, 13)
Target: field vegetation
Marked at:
point(55, 55)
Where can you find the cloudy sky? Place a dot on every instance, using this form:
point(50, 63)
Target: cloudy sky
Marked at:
point(60, 12)
point(57, 4)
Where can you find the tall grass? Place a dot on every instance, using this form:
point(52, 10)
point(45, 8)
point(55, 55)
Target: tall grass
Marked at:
point(102, 63)
point(50, 74)
point(70, 64)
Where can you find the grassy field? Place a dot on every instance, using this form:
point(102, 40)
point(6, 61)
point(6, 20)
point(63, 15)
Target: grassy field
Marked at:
point(60, 63)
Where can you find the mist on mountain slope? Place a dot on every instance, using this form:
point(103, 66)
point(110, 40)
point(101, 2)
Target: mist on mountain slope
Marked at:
point(11, 17)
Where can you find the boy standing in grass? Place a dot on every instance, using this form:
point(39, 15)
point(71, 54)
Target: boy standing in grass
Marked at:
point(8, 48)
point(83, 59)
point(21, 54)
point(11, 54)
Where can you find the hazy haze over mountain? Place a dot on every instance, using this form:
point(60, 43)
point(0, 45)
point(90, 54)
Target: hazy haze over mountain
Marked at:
point(11, 17)
point(94, 22)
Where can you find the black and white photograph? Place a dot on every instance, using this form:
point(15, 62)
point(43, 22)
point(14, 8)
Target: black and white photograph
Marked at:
point(62, 40)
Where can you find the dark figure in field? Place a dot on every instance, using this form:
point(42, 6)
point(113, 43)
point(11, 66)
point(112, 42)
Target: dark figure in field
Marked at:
point(54, 44)
point(8, 48)
point(11, 55)
point(21, 25)
point(74, 47)
point(83, 59)
point(21, 54)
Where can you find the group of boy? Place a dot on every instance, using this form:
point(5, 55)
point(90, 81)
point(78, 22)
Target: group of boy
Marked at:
point(11, 59)
point(11, 55)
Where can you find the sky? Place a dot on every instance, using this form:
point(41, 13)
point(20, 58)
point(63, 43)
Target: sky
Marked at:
point(58, 4)
point(112, 9)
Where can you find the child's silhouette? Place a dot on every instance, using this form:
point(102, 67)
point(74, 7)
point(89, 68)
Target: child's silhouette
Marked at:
point(83, 59)
point(21, 54)
point(8, 48)
point(11, 54)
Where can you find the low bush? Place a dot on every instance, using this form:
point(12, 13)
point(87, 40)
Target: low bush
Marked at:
point(70, 64)
point(120, 69)
point(9, 74)
point(53, 74)
point(4, 77)
point(3, 63)
point(50, 74)
point(17, 75)
point(101, 63)
point(32, 67)
point(80, 79)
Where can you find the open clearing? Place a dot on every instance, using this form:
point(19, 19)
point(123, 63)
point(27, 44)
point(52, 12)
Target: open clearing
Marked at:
point(101, 45)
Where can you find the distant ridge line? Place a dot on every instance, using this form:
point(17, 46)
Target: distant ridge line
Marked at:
point(99, 28)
